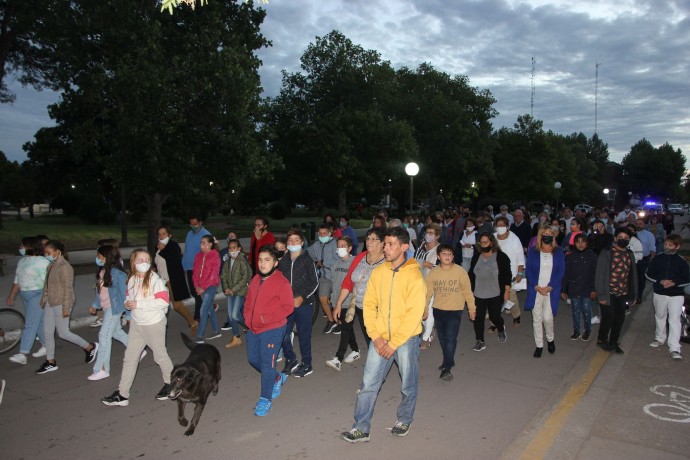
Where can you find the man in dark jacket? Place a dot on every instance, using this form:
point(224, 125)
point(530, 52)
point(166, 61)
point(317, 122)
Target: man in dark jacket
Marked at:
point(670, 274)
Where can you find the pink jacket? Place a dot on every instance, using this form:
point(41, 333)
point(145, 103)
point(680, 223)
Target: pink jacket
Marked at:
point(206, 269)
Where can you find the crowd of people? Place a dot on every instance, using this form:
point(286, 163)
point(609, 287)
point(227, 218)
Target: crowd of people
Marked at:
point(408, 286)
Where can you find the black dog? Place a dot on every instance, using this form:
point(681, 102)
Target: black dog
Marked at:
point(193, 380)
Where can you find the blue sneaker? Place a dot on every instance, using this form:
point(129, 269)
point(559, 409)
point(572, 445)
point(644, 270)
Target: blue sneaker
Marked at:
point(278, 386)
point(263, 407)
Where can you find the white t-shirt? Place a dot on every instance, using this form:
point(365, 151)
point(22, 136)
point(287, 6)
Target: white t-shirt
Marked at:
point(545, 268)
point(512, 247)
point(467, 253)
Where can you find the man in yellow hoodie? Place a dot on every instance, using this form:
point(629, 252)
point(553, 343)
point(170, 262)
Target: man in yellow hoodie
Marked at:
point(393, 305)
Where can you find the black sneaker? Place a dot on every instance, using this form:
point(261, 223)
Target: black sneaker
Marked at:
point(516, 321)
point(400, 429)
point(355, 435)
point(575, 336)
point(337, 329)
point(303, 370)
point(585, 336)
point(330, 325)
point(115, 399)
point(290, 365)
point(479, 346)
point(91, 355)
point(226, 326)
point(502, 336)
point(551, 346)
point(163, 394)
point(446, 376)
point(616, 349)
point(47, 367)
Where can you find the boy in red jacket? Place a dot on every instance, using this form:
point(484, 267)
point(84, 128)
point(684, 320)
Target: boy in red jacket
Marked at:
point(268, 304)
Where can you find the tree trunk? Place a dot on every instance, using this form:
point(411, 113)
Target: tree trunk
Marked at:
point(342, 201)
point(123, 216)
point(31, 210)
point(154, 204)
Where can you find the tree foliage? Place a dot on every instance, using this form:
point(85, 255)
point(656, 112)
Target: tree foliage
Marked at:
point(654, 171)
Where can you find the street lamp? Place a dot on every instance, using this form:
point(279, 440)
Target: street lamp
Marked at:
point(411, 169)
point(557, 186)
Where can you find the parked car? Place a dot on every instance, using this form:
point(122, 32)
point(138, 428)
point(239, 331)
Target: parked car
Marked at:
point(676, 208)
point(583, 207)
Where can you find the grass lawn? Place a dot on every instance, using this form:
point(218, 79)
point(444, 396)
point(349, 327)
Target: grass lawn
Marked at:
point(77, 235)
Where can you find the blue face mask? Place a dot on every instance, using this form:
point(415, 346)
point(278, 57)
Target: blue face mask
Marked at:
point(294, 248)
point(325, 239)
point(100, 262)
point(22, 251)
point(50, 258)
point(605, 221)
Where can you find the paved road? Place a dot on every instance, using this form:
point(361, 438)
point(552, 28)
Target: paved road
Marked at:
point(580, 403)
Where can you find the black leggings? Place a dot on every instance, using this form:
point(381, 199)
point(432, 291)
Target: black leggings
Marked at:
point(347, 335)
point(493, 305)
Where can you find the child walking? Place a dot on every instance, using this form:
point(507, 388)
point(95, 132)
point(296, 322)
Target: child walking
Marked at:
point(578, 284)
point(110, 298)
point(268, 304)
point(147, 299)
point(57, 303)
point(206, 277)
point(235, 277)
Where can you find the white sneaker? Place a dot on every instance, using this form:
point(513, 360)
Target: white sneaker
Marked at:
point(352, 357)
point(41, 352)
point(595, 320)
point(19, 358)
point(655, 344)
point(676, 355)
point(96, 323)
point(333, 363)
point(100, 375)
point(2, 390)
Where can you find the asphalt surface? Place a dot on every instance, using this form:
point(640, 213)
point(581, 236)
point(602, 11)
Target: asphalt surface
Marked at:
point(580, 403)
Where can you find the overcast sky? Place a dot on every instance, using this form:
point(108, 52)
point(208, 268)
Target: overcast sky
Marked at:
point(642, 47)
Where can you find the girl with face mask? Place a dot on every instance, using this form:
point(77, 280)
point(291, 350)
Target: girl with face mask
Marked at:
point(427, 258)
point(235, 277)
point(57, 303)
point(206, 278)
point(147, 298)
point(110, 297)
point(29, 281)
point(467, 242)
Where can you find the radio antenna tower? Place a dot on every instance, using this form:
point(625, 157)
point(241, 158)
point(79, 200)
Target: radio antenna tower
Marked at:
point(596, 95)
point(531, 112)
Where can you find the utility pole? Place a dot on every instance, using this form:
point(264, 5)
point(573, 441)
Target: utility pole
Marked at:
point(596, 95)
point(531, 112)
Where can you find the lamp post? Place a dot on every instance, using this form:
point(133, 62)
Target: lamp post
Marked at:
point(557, 186)
point(411, 169)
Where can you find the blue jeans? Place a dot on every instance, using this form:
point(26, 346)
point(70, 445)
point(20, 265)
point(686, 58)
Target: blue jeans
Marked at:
point(447, 328)
point(207, 313)
point(33, 320)
point(110, 329)
point(235, 307)
point(302, 317)
point(375, 372)
point(582, 305)
point(262, 350)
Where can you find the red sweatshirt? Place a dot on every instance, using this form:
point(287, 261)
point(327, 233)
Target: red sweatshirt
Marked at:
point(268, 303)
point(206, 269)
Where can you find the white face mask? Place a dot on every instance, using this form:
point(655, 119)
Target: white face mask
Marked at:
point(143, 267)
point(234, 254)
point(501, 230)
point(470, 229)
point(342, 252)
point(164, 240)
point(22, 251)
point(429, 238)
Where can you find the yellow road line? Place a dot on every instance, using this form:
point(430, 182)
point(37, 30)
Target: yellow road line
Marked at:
point(546, 435)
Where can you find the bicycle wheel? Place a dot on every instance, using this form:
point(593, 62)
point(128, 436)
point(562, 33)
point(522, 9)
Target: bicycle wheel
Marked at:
point(11, 326)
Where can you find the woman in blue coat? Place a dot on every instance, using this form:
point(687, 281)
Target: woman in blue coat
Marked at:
point(545, 269)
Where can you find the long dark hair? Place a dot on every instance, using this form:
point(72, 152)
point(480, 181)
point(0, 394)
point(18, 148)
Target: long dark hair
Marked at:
point(56, 245)
point(32, 245)
point(112, 260)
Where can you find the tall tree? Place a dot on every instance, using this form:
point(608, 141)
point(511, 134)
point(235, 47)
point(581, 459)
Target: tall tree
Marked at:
point(452, 123)
point(654, 171)
point(333, 123)
point(165, 104)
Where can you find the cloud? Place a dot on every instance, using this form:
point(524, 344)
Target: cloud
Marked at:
point(641, 46)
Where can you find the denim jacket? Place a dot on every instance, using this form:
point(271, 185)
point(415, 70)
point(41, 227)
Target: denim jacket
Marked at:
point(116, 291)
